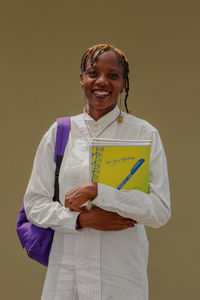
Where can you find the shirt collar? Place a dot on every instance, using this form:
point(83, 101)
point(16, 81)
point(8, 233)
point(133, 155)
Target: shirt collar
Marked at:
point(96, 126)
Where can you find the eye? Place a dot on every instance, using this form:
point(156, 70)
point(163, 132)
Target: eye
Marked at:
point(114, 76)
point(92, 73)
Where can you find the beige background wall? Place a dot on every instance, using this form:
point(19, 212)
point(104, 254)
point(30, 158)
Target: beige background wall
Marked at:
point(41, 43)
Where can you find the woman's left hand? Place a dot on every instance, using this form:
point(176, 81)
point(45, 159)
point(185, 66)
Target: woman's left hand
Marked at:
point(79, 195)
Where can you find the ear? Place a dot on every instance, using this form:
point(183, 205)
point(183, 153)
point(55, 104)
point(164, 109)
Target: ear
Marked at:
point(81, 79)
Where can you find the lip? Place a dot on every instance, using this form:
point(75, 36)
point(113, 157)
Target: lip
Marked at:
point(103, 93)
point(100, 89)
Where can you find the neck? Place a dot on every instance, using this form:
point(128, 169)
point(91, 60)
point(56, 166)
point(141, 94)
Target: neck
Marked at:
point(97, 114)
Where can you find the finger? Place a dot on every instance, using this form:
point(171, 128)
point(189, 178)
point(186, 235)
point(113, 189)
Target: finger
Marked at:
point(71, 209)
point(66, 203)
point(67, 200)
point(84, 208)
point(123, 227)
point(71, 205)
point(129, 222)
point(126, 219)
point(74, 207)
point(124, 223)
point(72, 191)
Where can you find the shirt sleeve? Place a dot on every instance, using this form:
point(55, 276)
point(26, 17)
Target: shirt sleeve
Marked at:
point(40, 209)
point(151, 209)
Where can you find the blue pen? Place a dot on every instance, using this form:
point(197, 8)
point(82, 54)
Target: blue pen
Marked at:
point(136, 166)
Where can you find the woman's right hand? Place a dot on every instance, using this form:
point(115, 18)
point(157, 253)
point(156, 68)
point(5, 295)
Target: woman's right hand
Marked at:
point(103, 220)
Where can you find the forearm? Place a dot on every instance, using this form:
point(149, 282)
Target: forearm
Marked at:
point(99, 219)
point(147, 209)
point(43, 212)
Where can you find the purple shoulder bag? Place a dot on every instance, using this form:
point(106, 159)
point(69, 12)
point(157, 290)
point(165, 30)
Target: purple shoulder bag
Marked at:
point(38, 240)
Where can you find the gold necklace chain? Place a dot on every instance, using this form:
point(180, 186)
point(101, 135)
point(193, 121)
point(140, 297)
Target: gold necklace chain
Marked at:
point(103, 129)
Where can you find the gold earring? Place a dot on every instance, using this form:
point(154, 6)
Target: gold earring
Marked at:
point(120, 118)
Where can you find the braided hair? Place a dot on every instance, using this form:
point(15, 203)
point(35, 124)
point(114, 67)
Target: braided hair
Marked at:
point(94, 52)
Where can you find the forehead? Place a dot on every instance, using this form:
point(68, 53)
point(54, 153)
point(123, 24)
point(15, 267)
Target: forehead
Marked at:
point(107, 59)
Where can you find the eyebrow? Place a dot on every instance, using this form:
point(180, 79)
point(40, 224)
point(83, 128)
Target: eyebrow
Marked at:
point(96, 68)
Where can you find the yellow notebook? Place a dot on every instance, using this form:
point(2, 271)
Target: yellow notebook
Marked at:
point(121, 164)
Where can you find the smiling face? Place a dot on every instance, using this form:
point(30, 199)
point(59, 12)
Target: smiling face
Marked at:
point(102, 83)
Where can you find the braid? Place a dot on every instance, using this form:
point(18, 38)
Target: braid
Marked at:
point(126, 95)
point(94, 52)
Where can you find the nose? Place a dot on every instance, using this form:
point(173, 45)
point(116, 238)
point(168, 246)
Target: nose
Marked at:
point(102, 80)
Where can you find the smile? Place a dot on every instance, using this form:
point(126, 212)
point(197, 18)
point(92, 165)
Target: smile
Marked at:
point(101, 92)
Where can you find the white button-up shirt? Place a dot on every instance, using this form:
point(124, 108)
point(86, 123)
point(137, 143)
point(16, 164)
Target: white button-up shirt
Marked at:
point(89, 264)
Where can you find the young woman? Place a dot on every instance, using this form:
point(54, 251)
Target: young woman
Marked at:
point(105, 256)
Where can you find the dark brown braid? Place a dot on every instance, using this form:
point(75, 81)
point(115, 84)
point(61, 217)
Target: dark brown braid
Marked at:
point(94, 52)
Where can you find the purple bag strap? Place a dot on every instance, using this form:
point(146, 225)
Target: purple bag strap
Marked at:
point(62, 136)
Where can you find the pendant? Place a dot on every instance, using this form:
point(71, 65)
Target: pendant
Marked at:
point(120, 118)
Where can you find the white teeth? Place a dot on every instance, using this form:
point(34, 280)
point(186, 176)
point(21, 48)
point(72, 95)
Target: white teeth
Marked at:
point(101, 92)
